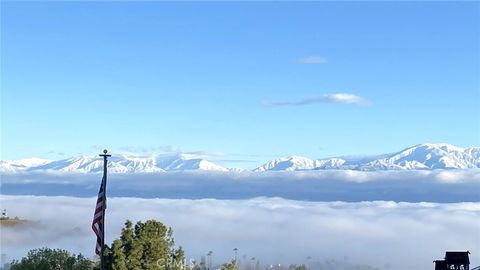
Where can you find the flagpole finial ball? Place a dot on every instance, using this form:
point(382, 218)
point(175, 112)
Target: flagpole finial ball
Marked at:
point(105, 151)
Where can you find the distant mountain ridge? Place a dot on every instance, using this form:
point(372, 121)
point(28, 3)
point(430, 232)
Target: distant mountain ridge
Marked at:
point(426, 156)
point(117, 164)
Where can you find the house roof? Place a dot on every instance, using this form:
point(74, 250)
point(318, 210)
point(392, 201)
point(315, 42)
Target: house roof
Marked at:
point(440, 265)
point(457, 257)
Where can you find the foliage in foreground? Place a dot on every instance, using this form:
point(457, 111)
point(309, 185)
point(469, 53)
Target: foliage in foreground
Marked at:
point(232, 265)
point(52, 259)
point(146, 246)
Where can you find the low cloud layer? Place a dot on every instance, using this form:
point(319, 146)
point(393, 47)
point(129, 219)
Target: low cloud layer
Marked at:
point(381, 234)
point(335, 98)
point(343, 185)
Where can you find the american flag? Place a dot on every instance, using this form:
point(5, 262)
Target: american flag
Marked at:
point(97, 224)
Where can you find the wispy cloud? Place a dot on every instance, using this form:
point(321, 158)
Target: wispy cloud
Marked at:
point(52, 152)
point(334, 98)
point(313, 59)
point(169, 149)
point(236, 160)
point(198, 154)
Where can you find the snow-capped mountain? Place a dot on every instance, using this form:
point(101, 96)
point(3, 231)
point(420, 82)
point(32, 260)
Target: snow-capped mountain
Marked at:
point(426, 156)
point(116, 164)
point(21, 164)
point(294, 163)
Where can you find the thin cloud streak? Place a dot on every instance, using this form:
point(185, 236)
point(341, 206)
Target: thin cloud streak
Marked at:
point(235, 160)
point(314, 59)
point(334, 98)
point(169, 150)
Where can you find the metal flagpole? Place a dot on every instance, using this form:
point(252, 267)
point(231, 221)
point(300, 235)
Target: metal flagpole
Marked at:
point(105, 156)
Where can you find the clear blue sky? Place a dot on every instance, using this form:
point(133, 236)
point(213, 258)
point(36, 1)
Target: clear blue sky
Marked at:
point(249, 80)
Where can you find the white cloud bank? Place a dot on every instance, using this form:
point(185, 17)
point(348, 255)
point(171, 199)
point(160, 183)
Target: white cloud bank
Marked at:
point(384, 234)
point(342, 185)
point(334, 98)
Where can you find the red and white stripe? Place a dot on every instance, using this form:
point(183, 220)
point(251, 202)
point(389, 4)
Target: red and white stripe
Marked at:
point(97, 224)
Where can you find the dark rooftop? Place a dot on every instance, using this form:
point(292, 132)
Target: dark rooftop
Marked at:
point(457, 257)
point(440, 265)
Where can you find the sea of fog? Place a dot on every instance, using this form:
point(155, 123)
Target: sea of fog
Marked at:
point(350, 186)
point(333, 220)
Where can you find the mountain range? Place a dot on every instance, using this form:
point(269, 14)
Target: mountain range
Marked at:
point(426, 156)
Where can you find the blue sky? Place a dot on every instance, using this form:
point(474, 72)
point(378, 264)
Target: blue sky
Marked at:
point(244, 82)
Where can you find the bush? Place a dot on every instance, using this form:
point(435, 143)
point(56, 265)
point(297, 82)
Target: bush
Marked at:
point(144, 246)
point(52, 259)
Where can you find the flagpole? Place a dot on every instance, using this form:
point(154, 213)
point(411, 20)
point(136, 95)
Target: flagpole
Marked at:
point(105, 161)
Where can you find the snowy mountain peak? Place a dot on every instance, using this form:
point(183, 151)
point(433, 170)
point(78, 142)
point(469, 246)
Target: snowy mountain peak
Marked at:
point(427, 156)
point(122, 163)
point(12, 166)
point(430, 156)
point(444, 146)
point(293, 163)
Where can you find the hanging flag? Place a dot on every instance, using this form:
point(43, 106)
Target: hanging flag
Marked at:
point(98, 217)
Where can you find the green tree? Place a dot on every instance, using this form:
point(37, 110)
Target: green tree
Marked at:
point(232, 265)
point(178, 259)
point(131, 248)
point(146, 246)
point(118, 256)
point(52, 259)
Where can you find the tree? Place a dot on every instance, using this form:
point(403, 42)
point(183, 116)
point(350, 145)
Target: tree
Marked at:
point(118, 257)
point(147, 246)
point(232, 265)
point(52, 259)
point(297, 267)
point(178, 257)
